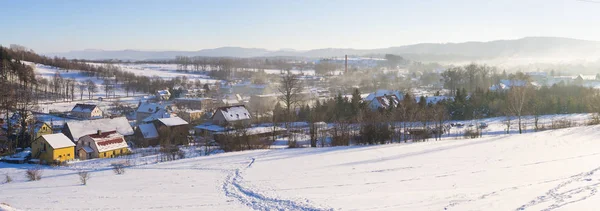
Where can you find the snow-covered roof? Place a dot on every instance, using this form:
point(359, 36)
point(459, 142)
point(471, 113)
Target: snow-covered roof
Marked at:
point(88, 149)
point(87, 108)
point(210, 127)
point(82, 128)
point(107, 141)
point(173, 121)
point(148, 130)
point(162, 113)
point(163, 92)
point(58, 141)
point(383, 92)
point(387, 100)
point(234, 113)
point(147, 107)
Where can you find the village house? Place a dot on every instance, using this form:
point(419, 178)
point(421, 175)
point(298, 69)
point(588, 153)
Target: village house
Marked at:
point(41, 128)
point(147, 112)
point(102, 145)
point(231, 115)
point(163, 94)
point(194, 103)
point(53, 148)
point(383, 92)
point(232, 121)
point(191, 115)
point(384, 102)
point(86, 111)
point(173, 129)
point(145, 135)
point(77, 129)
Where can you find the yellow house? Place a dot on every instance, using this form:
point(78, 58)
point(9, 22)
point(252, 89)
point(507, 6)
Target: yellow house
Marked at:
point(102, 145)
point(53, 148)
point(41, 128)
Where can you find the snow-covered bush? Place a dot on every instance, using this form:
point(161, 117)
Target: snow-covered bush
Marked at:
point(471, 133)
point(34, 174)
point(118, 168)
point(84, 176)
point(7, 178)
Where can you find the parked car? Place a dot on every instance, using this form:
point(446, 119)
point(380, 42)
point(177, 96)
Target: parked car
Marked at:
point(483, 125)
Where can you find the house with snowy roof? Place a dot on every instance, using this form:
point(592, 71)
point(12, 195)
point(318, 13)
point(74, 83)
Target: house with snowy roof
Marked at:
point(163, 94)
point(86, 111)
point(383, 92)
point(231, 115)
point(101, 144)
point(53, 148)
point(173, 129)
point(384, 102)
point(147, 112)
point(145, 135)
point(77, 129)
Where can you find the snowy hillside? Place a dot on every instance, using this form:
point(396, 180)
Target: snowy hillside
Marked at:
point(535, 171)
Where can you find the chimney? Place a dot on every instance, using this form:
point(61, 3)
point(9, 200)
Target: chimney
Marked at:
point(99, 132)
point(346, 64)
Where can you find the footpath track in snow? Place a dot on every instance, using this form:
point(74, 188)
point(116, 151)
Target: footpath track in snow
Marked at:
point(577, 188)
point(233, 187)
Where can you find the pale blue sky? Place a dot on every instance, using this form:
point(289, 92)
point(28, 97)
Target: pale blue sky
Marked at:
point(57, 26)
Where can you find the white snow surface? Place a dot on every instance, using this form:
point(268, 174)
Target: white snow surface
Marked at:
point(550, 170)
point(58, 140)
point(86, 127)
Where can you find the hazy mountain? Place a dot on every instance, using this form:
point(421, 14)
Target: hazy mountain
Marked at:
point(530, 48)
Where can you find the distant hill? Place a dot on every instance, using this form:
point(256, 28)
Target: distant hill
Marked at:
point(529, 48)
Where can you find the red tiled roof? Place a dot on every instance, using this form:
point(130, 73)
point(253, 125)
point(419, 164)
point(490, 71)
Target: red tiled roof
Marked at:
point(111, 141)
point(102, 134)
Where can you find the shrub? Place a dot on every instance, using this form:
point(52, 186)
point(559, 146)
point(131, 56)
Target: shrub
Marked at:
point(34, 174)
point(7, 179)
point(594, 120)
point(84, 176)
point(471, 133)
point(118, 168)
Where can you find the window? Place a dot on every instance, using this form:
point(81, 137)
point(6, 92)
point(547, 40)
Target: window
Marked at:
point(69, 154)
point(105, 154)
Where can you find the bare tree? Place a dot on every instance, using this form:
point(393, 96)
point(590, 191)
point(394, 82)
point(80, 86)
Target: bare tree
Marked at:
point(82, 88)
point(84, 176)
point(290, 90)
point(516, 98)
point(91, 87)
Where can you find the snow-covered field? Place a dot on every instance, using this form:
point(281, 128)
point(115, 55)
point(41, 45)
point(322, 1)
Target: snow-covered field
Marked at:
point(550, 170)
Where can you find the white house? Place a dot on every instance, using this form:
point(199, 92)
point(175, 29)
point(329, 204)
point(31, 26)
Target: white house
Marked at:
point(101, 145)
point(86, 111)
point(163, 94)
point(230, 115)
point(383, 92)
point(77, 129)
point(384, 102)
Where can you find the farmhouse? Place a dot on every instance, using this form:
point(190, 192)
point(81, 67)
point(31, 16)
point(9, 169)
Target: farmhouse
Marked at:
point(77, 129)
point(149, 111)
point(41, 128)
point(102, 145)
point(86, 111)
point(231, 115)
point(53, 148)
point(194, 103)
point(174, 129)
point(384, 102)
point(163, 94)
point(146, 135)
